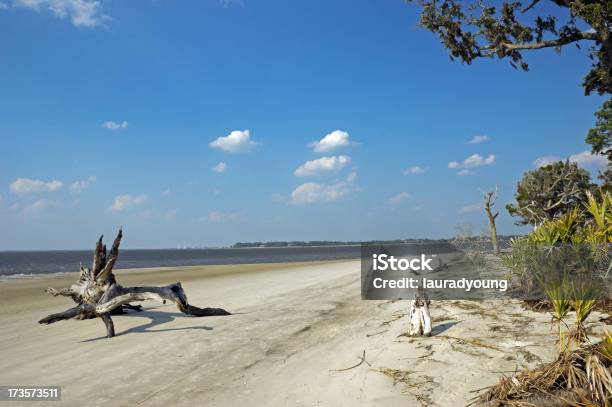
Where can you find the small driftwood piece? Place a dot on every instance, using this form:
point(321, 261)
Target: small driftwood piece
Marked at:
point(354, 366)
point(419, 318)
point(97, 293)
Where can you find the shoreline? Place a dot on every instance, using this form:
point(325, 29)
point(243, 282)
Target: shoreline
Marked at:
point(74, 274)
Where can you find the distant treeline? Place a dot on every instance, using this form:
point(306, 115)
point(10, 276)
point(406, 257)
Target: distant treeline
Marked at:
point(298, 243)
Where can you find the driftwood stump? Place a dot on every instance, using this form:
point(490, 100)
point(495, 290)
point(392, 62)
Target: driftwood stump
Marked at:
point(97, 293)
point(420, 320)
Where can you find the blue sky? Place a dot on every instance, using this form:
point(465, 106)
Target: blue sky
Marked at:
point(118, 113)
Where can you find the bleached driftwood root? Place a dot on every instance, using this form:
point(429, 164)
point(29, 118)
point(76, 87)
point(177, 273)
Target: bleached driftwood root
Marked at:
point(420, 320)
point(97, 293)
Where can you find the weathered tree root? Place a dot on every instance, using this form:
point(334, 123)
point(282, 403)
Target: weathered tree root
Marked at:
point(98, 294)
point(420, 319)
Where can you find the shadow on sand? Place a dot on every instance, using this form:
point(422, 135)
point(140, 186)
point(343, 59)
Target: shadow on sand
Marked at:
point(156, 318)
point(438, 329)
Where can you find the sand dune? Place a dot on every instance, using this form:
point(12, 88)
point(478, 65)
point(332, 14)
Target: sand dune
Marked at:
point(296, 327)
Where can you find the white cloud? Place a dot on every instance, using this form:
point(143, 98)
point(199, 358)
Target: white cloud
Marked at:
point(545, 160)
point(323, 164)
point(78, 186)
point(220, 168)
point(332, 141)
point(479, 139)
point(311, 192)
point(453, 165)
point(399, 198)
point(124, 201)
point(586, 158)
point(38, 206)
point(476, 207)
point(238, 141)
point(473, 161)
point(583, 159)
point(22, 186)
point(413, 170)
point(463, 173)
point(82, 13)
point(476, 160)
point(216, 217)
point(111, 125)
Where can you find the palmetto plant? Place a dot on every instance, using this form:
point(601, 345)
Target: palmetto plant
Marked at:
point(559, 294)
point(584, 298)
point(599, 229)
point(598, 232)
point(560, 230)
point(583, 235)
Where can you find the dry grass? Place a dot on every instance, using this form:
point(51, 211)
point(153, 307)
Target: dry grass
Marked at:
point(544, 305)
point(476, 309)
point(578, 377)
point(470, 342)
point(418, 386)
point(442, 318)
point(396, 315)
point(529, 357)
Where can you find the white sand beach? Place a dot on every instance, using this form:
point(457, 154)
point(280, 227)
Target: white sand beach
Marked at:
point(295, 328)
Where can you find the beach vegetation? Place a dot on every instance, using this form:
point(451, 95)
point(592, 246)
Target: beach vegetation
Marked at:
point(549, 192)
point(566, 257)
point(577, 377)
point(578, 239)
point(581, 372)
point(600, 140)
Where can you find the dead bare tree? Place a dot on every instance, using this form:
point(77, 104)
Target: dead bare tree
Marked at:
point(489, 202)
point(98, 294)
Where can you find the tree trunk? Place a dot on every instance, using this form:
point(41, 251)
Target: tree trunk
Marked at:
point(493, 228)
point(97, 293)
point(489, 201)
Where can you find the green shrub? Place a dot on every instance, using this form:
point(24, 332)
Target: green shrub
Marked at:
point(575, 242)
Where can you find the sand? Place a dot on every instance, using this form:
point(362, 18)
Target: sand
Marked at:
point(296, 326)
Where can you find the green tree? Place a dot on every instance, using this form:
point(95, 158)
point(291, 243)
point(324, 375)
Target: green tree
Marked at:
point(550, 191)
point(600, 136)
point(506, 29)
point(600, 139)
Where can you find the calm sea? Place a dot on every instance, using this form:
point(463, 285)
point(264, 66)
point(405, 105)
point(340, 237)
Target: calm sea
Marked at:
point(39, 262)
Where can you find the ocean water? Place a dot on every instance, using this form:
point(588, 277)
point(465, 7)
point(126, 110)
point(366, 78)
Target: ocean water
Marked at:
point(37, 262)
point(40, 262)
